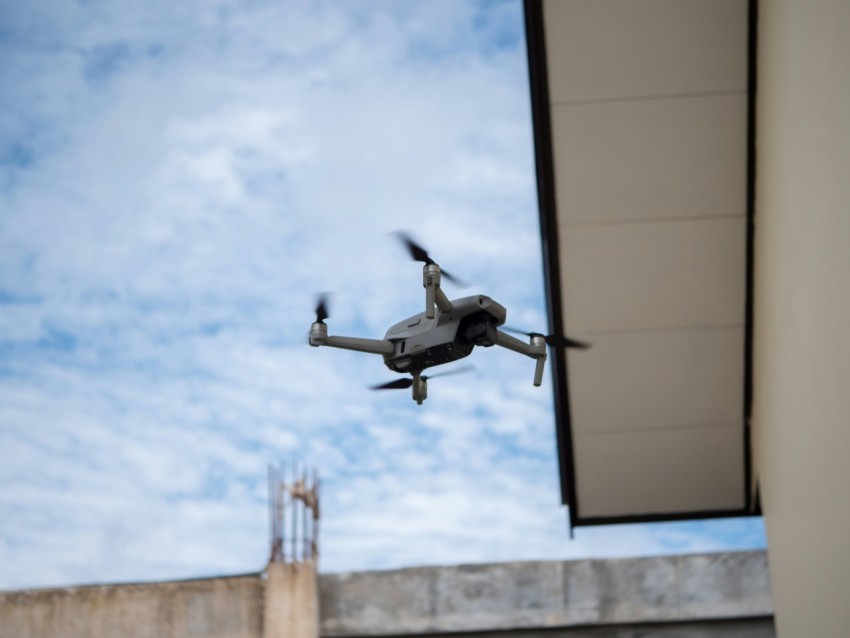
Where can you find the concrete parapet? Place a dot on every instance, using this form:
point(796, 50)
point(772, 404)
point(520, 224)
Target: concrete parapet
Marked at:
point(230, 607)
point(546, 595)
point(694, 596)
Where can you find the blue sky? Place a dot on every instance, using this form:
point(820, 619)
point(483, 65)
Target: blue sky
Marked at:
point(177, 182)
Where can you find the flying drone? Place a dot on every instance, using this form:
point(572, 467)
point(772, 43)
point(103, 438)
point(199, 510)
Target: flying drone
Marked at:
point(446, 331)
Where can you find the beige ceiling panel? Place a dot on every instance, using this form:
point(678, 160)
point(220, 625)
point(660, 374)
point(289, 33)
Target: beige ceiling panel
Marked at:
point(671, 274)
point(650, 159)
point(660, 471)
point(648, 106)
point(653, 380)
point(607, 49)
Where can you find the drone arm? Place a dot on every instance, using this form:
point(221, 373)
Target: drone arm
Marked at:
point(536, 350)
point(442, 301)
point(319, 337)
point(512, 343)
point(373, 346)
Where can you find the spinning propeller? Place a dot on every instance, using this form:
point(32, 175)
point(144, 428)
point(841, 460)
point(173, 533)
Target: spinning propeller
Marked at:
point(403, 384)
point(417, 253)
point(552, 340)
point(322, 308)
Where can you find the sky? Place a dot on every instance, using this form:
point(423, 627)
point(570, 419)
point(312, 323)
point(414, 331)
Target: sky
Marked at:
point(178, 182)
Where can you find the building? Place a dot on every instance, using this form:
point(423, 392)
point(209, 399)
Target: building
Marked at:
point(692, 176)
point(701, 596)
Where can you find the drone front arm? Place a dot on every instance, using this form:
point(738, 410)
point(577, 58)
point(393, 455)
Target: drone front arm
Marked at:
point(372, 346)
point(536, 350)
point(319, 337)
point(442, 301)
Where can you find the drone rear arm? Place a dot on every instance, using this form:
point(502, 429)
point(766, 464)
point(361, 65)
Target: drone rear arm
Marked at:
point(536, 350)
point(319, 337)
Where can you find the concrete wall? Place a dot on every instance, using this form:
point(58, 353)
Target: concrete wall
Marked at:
point(699, 596)
point(548, 596)
point(802, 310)
point(741, 628)
point(216, 607)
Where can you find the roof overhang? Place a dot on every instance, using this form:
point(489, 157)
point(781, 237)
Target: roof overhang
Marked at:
point(644, 137)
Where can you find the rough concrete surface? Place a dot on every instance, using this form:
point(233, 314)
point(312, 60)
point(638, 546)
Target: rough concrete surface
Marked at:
point(546, 594)
point(292, 601)
point(696, 596)
point(215, 607)
point(741, 628)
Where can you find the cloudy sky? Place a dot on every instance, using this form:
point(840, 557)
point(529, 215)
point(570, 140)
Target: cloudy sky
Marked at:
point(177, 182)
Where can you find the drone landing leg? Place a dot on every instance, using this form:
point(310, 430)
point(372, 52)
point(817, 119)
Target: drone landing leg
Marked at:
point(538, 371)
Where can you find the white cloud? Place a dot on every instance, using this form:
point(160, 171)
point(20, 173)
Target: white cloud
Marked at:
point(196, 173)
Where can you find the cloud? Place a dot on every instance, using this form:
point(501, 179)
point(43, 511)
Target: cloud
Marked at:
point(179, 180)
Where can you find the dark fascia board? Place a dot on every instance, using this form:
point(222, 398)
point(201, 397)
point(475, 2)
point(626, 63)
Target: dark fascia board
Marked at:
point(544, 165)
point(547, 207)
point(665, 517)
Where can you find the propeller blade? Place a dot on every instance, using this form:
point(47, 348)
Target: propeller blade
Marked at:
point(403, 384)
point(418, 253)
point(398, 384)
point(322, 309)
point(552, 340)
point(566, 342)
point(452, 278)
point(448, 373)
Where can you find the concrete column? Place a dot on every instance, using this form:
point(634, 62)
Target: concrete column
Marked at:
point(292, 601)
point(802, 311)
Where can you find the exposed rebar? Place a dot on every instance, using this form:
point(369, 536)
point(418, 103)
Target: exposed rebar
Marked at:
point(293, 494)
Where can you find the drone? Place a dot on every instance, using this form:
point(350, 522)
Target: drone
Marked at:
point(448, 330)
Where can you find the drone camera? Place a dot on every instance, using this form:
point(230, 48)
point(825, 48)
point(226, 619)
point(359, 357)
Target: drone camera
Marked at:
point(478, 329)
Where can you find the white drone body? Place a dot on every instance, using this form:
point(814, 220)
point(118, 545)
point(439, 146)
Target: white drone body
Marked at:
point(448, 330)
